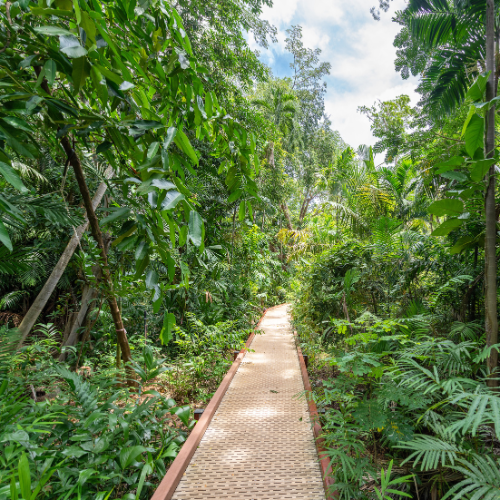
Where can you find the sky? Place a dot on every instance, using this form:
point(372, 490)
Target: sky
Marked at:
point(359, 49)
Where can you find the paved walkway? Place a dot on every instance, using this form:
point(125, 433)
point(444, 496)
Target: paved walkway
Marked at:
point(259, 445)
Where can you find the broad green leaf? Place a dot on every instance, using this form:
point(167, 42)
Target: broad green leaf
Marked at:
point(50, 69)
point(480, 168)
point(151, 279)
point(454, 162)
point(163, 184)
point(184, 412)
point(234, 196)
point(447, 206)
point(13, 488)
point(209, 104)
point(10, 175)
point(241, 211)
point(166, 331)
point(88, 25)
point(182, 142)
point(461, 244)
point(477, 89)
point(70, 45)
point(116, 214)
point(129, 455)
point(454, 176)
point(472, 112)
point(17, 123)
point(446, 227)
point(78, 12)
point(474, 135)
point(195, 234)
point(81, 71)
point(152, 150)
point(171, 200)
point(52, 31)
point(4, 236)
point(24, 476)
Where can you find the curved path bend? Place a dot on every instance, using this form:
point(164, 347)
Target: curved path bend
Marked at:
point(260, 444)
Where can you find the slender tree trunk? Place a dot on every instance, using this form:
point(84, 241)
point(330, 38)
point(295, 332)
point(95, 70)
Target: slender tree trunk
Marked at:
point(490, 268)
point(89, 294)
point(97, 235)
point(43, 297)
point(74, 161)
point(286, 212)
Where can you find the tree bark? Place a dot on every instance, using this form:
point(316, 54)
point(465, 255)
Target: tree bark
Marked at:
point(74, 161)
point(286, 212)
point(89, 294)
point(43, 297)
point(467, 296)
point(97, 235)
point(490, 264)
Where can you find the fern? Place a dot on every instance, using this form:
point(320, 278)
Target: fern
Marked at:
point(482, 479)
point(432, 452)
point(83, 393)
point(482, 409)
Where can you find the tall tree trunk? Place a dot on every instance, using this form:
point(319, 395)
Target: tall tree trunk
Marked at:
point(97, 235)
point(43, 297)
point(74, 161)
point(286, 212)
point(490, 264)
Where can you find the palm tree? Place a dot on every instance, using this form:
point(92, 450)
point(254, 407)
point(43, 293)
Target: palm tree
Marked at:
point(461, 36)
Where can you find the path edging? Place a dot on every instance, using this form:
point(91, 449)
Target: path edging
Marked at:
point(326, 470)
point(170, 481)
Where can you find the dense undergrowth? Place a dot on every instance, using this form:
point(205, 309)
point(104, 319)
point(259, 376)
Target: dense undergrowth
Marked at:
point(406, 384)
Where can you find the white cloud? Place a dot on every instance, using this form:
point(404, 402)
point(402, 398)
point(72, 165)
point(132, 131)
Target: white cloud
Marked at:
point(359, 49)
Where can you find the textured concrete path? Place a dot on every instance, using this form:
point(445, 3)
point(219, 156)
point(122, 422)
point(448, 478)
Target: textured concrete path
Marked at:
point(259, 445)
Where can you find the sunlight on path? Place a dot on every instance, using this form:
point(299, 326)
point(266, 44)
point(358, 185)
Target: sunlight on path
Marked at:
point(259, 444)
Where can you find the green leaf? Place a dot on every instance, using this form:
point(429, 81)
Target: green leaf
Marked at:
point(195, 228)
point(166, 331)
point(474, 135)
point(450, 164)
point(480, 168)
point(70, 45)
point(446, 227)
point(183, 413)
point(171, 133)
point(151, 279)
point(163, 184)
point(50, 69)
point(118, 213)
point(17, 123)
point(241, 211)
point(13, 488)
point(478, 87)
point(10, 175)
point(129, 455)
point(4, 236)
point(24, 477)
point(52, 31)
point(88, 25)
point(470, 114)
point(234, 196)
point(455, 176)
point(182, 142)
point(78, 12)
point(447, 206)
point(171, 200)
point(81, 71)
